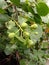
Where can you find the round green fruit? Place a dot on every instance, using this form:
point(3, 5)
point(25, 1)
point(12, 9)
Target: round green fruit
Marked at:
point(25, 34)
point(24, 25)
point(36, 33)
point(30, 42)
point(34, 26)
point(11, 35)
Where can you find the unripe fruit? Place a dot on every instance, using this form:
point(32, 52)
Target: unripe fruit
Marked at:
point(25, 34)
point(11, 35)
point(36, 33)
point(34, 26)
point(24, 25)
point(30, 42)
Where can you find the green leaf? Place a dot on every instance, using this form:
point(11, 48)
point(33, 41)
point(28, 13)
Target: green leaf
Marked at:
point(40, 1)
point(35, 37)
point(16, 2)
point(10, 24)
point(42, 9)
point(4, 18)
point(30, 9)
point(2, 47)
point(3, 4)
point(2, 11)
point(21, 19)
point(10, 49)
point(44, 44)
point(22, 62)
point(24, 7)
point(48, 24)
point(37, 18)
point(31, 63)
point(27, 8)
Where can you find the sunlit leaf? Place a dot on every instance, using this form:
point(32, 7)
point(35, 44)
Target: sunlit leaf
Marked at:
point(42, 9)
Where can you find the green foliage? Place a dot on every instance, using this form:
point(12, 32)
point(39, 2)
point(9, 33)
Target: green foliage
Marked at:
point(42, 9)
point(4, 18)
point(2, 11)
point(44, 44)
point(10, 48)
point(16, 2)
point(23, 30)
point(22, 62)
point(37, 18)
point(3, 4)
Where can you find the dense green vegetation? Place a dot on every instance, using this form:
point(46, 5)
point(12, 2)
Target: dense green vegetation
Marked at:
point(24, 28)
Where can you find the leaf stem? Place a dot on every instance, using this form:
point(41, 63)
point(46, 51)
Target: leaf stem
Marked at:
point(18, 25)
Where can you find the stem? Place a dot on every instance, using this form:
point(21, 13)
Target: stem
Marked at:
point(18, 31)
point(18, 25)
